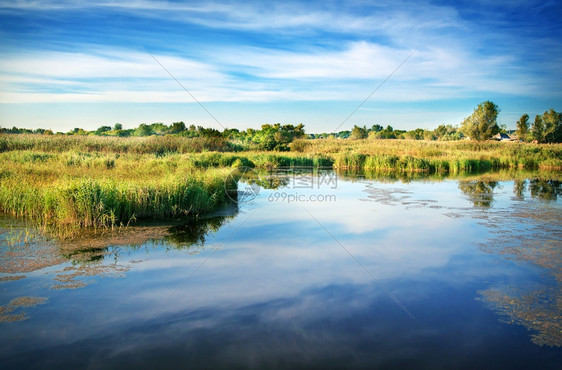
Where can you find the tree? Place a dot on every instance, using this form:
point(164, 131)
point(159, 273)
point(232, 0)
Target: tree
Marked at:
point(538, 129)
point(299, 131)
point(523, 127)
point(177, 127)
point(440, 131)
point(482, 124)
point(144, 130)
point(552, 121)
point(358, 132)
point(118, 126)
point(159, 128)
point(387, 133)
point(102, 130)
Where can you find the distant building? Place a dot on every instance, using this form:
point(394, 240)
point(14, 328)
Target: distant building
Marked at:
point(502, 137)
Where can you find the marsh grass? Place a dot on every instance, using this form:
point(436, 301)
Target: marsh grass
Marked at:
point(69, 191)
point(434, 156)
point(159, 145)
point(68, 183)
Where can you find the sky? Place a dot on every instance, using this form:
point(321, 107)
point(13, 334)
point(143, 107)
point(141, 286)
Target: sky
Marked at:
point(241, 64)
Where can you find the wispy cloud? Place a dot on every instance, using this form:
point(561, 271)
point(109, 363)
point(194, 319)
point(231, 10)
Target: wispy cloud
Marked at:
point(253, 74)
point(227, 51)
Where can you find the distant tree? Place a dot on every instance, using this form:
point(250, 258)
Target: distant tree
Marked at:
point(387, 133)
point(118, 126)
point(538, 129)
point(102, 130)
point(159, 128)
point(552, 121)
point(482, 124)
point(429, 135)
point(523, 127)
point(177, 127)
point(299, 131)
point(376, 128)
point(144, 130)
point(358, 132)
point(440, 131)
point(125, 133)
point(417, 134)
point(342, 134)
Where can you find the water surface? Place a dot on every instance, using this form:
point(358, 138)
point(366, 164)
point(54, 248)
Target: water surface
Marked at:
point(311, 271)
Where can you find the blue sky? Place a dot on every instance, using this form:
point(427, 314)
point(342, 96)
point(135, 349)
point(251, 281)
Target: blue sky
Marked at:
point(67, 64)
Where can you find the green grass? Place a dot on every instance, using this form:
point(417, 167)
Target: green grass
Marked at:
point(65, 192)
point(434, 157)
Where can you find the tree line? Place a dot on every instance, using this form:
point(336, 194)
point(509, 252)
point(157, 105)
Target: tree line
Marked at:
point(481, 125)
point(268, 137)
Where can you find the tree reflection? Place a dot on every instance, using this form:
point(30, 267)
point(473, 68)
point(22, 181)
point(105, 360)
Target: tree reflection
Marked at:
point(519, 188)
point(480, 193)
point(266, 180)
point(545, 189)
point(193, 232)
point(101, 254)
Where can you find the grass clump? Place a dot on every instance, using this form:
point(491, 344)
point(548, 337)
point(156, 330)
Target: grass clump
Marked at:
point(66, 192)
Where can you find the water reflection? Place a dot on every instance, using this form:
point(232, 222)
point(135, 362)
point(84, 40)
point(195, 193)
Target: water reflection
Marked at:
point(519, 188)
point(193, 232)
point(481, 193)
point(280, 292)
point(545, 189)
point(98, 254)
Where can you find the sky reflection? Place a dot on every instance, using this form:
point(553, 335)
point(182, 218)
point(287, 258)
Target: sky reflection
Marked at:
point(273, 289)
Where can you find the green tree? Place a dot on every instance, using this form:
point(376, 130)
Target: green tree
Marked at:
point(102, 130)
point(523, 127)
point(358, 132)
point(387, 133)
point(440, 131)
point(177, 127)
point(118, 127)
point(144, 130)
point(159, 128)
point(552, 121)
point(538, 129)
point(482, 124)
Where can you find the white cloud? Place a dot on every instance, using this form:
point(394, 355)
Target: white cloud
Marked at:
point(448, 61)
point(348, 74)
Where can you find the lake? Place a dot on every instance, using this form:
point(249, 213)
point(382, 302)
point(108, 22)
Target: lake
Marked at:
point(305, 270)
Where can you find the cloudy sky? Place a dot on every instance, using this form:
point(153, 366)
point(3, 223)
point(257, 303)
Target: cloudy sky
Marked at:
point(67, 64)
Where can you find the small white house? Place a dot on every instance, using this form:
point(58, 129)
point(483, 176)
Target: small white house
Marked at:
point(502, 137)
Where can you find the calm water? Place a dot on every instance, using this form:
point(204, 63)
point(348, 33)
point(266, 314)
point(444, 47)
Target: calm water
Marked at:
point(307, 271)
